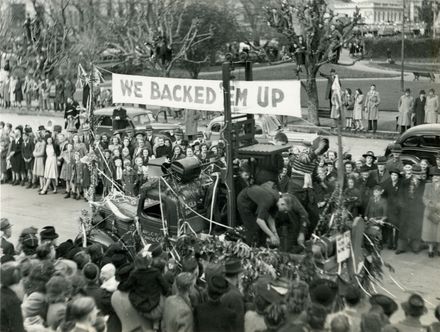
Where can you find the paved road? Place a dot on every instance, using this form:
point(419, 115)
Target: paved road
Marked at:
point(24, 207)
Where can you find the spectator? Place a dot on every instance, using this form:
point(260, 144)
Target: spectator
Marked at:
point(16, 158)
point(406, 109)
point(191, 123)
point(392, 192)
point(435, 327)
point(347, 108)
point(50, 167)
point(6, 230)
point(28, 90)
point(432, 108)
point(39, 155)
point(431, 219)
point(59, 95)
point(372, 102)
point(330, 79)
point(28, 157)
point(414, 309)
point(386, 303)
point(68, 159)
point(18, 92)
point(340, 323)
point(178, 315)
point(233, 299)
point(81, 315)
point(11, 316)
point(213, 315)
point(419, 108)
point(58, 292)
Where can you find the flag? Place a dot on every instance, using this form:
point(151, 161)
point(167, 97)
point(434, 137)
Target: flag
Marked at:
point(97, 76)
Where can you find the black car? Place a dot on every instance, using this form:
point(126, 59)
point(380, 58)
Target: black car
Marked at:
point(420, 142)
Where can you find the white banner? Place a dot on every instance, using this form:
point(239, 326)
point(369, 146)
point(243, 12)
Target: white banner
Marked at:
point(257, 97)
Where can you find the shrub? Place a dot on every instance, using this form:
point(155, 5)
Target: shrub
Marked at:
point(414, 48)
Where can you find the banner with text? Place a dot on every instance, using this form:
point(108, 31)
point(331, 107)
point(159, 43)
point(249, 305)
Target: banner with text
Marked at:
point(257, 97)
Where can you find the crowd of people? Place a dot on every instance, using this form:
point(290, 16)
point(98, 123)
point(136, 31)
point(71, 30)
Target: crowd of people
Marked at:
point(50, 286)
point(48, 158)
point(354, 108)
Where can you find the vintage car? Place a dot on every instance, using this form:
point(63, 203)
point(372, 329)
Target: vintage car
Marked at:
point(168, 204)
point(420, 142)
point(138, 118)
point(266, 127)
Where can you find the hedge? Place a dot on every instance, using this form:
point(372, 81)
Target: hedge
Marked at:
point(414, 48)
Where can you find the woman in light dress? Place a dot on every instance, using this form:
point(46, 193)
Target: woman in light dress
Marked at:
point(432, 108)
point(406, 111)
point(51, 166)
point(357, 110)
point(39, 154)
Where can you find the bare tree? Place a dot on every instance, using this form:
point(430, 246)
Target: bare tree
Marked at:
point(153, 36)
point(323, 34)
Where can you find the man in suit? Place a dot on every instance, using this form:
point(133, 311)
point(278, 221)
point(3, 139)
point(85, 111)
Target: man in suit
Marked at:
point(119, 118)
point(213, 315)
point(233, 299)
point(414, 309)
point(7, 248)
point(381, 174)
point(419, 108)
point(149, 137)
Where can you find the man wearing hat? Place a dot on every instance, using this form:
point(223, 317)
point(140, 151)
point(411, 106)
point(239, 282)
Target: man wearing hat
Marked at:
point(213, 315)
point(191, 123)
point(392, 191)
point(381, 174)
point(370, 158)
point(395, 161)
point(177, 137)
point(27, 150)
point(233, 298)
point(414, 309)
point(365, 186)
point(48, 234)
point(7, 248)
point(419, 108)
point(119, 118)
point(149, 137)
point(388, 305)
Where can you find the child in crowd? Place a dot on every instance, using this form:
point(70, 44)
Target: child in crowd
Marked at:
point(147, 288)
point(377, 206)
point(68, 159)
point(77, 176)
point(117, 174)
point(128, 178)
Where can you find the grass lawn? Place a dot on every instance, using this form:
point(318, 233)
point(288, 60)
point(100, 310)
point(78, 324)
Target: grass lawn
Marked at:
point(411, 67)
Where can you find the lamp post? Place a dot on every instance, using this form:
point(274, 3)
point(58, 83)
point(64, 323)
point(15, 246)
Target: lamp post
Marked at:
point(434, 17)
point(402, 55)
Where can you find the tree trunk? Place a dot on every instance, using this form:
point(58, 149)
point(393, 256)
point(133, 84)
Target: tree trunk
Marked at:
point(313, 101)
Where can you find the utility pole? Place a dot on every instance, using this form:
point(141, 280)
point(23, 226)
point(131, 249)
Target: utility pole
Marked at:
point(434, 17)
point(402, 55)
point(229, 133)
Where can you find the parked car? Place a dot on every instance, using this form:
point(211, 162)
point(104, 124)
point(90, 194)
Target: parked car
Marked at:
point(138, 118)
point(420, 142)
point(266, 127)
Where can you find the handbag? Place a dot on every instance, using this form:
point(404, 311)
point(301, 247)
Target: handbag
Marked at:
point(434, 215)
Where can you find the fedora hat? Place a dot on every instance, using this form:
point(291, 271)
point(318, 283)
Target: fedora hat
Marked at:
point(217, 285)
point(40, 128)
point(48, 233)
point(233, 266)
point(382, 160)
point(364, 168)
point(414, 306)
point(264, 289)
point(369, 154)
point(4, 224)
point(388, 305)
point(148, 127)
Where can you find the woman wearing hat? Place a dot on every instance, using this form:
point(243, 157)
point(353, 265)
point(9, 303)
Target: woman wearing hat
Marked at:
point(431, 219)
point(369, 160)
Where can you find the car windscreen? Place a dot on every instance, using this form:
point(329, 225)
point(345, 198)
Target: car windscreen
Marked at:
point(140, 120)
